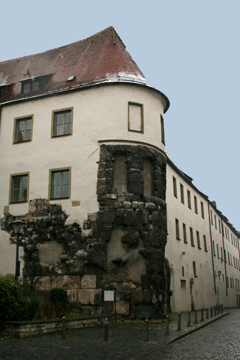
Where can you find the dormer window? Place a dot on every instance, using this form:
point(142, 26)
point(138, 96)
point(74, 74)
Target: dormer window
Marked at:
point(34, 84)
point(30, 86)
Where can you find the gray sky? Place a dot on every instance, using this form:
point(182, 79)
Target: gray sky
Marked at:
point(187, 49)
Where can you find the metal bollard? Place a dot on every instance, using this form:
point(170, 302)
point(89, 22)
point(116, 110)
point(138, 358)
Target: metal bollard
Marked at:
point(167, 325)
point(189, 319)
point(179, 321)
point(105, 326)
point(195, 316)
point(63, 336)
point(207, 316)
point(202, 317)
point(146, 329)
point(211, 312)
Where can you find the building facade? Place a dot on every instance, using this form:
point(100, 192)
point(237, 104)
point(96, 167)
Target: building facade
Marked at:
point(83, 163)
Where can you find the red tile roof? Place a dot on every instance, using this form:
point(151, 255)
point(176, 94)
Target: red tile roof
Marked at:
point(99, 58)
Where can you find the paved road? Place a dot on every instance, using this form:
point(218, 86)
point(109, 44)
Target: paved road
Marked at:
point(219, 340)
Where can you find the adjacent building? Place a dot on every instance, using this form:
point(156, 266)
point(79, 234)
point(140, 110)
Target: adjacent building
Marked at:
point(83, 163)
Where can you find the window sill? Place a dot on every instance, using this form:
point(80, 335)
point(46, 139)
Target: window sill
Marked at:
point(57, 136)
point(21, 142)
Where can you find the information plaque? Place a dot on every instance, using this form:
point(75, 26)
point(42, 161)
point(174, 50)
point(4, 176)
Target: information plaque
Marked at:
point(108, 295)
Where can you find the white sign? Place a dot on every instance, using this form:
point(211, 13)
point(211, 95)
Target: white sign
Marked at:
point(108, 295)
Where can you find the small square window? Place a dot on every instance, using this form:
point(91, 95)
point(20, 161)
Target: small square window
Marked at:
point(23, 129)
point(60, 184)
point(19, 188)
point(183, 284)
point(62, 122)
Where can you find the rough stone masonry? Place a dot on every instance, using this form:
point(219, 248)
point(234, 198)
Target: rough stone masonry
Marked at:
point(125, 246)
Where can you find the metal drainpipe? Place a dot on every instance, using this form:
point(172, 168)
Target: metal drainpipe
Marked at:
point(224, 257)
point(210, 230)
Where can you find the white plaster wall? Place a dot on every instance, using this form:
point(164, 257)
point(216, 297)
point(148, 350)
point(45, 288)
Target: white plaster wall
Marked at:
point(231, 271)
point(99, 113)
point(203, 287)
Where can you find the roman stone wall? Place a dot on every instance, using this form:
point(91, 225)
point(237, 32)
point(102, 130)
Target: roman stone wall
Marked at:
point(125, 246)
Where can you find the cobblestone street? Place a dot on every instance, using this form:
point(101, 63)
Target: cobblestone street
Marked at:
point(217, 340)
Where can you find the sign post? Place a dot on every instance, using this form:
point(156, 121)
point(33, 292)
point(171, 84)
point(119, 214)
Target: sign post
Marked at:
point(110, 296)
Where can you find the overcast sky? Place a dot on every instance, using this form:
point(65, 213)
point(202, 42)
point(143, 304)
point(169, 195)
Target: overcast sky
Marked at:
point(187, 49)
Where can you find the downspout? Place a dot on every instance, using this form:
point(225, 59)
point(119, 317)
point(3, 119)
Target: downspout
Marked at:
point(210, 231)
point(224, 257)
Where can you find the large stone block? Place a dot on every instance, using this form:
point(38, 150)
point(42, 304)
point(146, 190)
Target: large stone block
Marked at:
point(42, 283)
point(73, 295)
point(84, 297)
point(89, 282)
point(50, 252)
point(122, 307)
point(95, 296)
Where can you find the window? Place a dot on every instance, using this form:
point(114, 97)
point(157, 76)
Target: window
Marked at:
point(194, 269)
point(30, 86)
point(205, 243)
point(120, 175)
point(175, 187)
point(191, 237)
point(189, 199)
point(221, 254)
point(62, 122)
point(215, 220)
point(182, 270)
point(135, 117)
point(182, 193)
point(177, 229)
point(214, 252)
point(162, 130)
point(211, 217)
point(198, 240)
point(183, 284)
point(19, 188)
point(195, 205)
point(184, 233)
point(218, 255)
point(202, 210)
point(60, 183)
point(219, 226)
point(23, 129)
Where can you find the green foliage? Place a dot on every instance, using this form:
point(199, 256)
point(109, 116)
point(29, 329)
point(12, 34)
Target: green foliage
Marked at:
point(58, 296)
point(12, 304)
